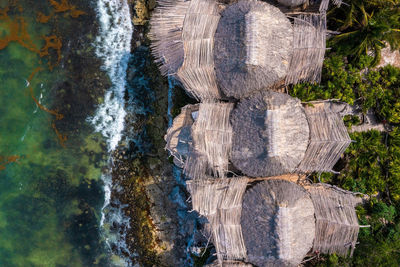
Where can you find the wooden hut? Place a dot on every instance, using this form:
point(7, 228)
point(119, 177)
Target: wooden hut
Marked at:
point(270, 134)
point(328, 138)
point(336, 219)
point(275, 222)
point(278, 223)
point(253, 47)
point(221, 51)
point(265, 135)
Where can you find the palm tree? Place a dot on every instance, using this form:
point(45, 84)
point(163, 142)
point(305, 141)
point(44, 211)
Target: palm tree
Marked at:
point(366, 25)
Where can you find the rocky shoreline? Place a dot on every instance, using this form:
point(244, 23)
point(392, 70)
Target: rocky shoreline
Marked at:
point(162, 232)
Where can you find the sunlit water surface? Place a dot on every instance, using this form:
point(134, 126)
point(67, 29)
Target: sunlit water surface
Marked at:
point(51, 158)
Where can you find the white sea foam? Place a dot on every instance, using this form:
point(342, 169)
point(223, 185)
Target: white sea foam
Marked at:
point(113, 46)
point(114, 225)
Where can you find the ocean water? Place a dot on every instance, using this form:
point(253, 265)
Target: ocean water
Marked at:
point(62, 65)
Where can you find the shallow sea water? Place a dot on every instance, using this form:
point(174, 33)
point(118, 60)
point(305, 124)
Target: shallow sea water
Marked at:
point(51, 192)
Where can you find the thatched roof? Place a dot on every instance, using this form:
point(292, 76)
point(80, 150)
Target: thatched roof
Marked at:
point(337, 224)
point(270, 134)
point(197, 72)
point(166, 34)
point(328, 138)
point(212, 141)
point(278, 223)
point(253, 46)
point(309, 48)
point(220, 200)
point(179, 135)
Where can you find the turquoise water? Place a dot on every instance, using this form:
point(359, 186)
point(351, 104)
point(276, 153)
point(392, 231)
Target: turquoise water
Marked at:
point(51, 160)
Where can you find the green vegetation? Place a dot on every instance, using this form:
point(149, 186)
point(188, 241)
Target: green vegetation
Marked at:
point(371, 165)
point(374, 89)
point(366, 25)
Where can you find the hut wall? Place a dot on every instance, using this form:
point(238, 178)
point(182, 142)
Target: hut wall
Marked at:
point(336, 220)
point(166, 34)
point(220, 200)
point(197, 72)
point(309, 48)
point(227, 234)
point(212, 137)
point(328, 139)
point(209, 194)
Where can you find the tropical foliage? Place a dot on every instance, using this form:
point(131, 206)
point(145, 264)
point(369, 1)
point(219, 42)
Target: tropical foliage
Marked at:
point(366, 25)
point(376, 89)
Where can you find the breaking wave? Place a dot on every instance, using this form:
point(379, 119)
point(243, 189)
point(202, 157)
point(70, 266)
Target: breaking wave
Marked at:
point(113, 46)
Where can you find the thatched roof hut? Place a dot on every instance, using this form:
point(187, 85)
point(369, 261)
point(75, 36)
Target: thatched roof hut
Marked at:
point(253, 46)
point(336, 219)
point(328, 138)
point(278, 223)
point(248, 46)
point(270, 134)
point(275, 222)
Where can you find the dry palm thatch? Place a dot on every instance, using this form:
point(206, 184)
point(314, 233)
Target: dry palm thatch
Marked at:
point(220, 200)
point(328, 139)
point(309, 48)
point(166, 34)
point(179, 135)
point(270, 134)
point(253, 46)
point(325, 4)
point(278, 223)
point(337, 224)
point(291, 3)
point(212, 137)
point(197, 72)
